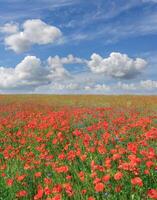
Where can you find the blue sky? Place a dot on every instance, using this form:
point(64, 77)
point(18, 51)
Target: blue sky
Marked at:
point(77, 46)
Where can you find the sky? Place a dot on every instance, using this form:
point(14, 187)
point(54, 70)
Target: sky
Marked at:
point(78, 46)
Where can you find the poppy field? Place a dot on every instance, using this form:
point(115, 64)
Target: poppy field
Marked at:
point(78, 147)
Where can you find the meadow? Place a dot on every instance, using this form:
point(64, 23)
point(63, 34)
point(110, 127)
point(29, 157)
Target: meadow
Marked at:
point(78, 147)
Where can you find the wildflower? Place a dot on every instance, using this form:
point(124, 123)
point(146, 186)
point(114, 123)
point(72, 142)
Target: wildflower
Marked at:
point(152, 193)
point(3, 174)
point(20, 178)
point(57, 197)
point(9, 182)
point(137, 181)
point(106, 178)
point(93, 175)
point(99, 187)
point(62, 156)
point(118, 176)
point(133, 147)
point(83, 157)
point(149, 164)
point(146, 171)
point(116, 156)
point(68, 189)
point(91, 198)
point(39, 193)
point(62, 169)
point(76, 132)
point(37, 174)
point(71, 155)
point(47, 181)
point(118, 188)
point(105, 125)
point(96, 180)
point(101, 149)
point(57, 188)
point(21, 193)
point(68, 177)
point(81, 175)
point(84, 191)
point(47, 190)
point(108, 163)
point(2, 167)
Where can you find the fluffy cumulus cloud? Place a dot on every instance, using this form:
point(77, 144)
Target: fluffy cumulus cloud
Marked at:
point(57, 64)
point(116, 65)
point(28, 73)
point(35, 31)
point(31, 72)
point(52, 75)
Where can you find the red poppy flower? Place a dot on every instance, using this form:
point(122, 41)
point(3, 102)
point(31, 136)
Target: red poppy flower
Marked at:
point(137, 181)
point(118, 176)
point(20, 178)
point(106, 178)
point(21, 193)
point(37, 174)
point(9, 182)
point(99, 187)
point(152, 193)
point(91, 198)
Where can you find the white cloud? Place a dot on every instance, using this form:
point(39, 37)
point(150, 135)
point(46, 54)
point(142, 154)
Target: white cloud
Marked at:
point(56, 64)
point(72, 87)
point(97, 88)
point(31, 69)
point(17, 42)
point(126, 86)
point(38, 32)
point(117, 65)
point(56, 67)
point(7, 77)
point(87, 87)
point(143, 85)
point(102, 87)
point(28, 73)
point(76, 86)
point(51, 76)
point(71, 59)
point(31, 72)
point(148, 84)
point(9, 28)
point(34, 31)
point(61, 86)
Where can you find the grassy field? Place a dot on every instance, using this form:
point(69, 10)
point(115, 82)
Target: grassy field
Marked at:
point(78, 147)
point(143, 102)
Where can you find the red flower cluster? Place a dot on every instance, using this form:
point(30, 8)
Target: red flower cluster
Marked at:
point(77, 153)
